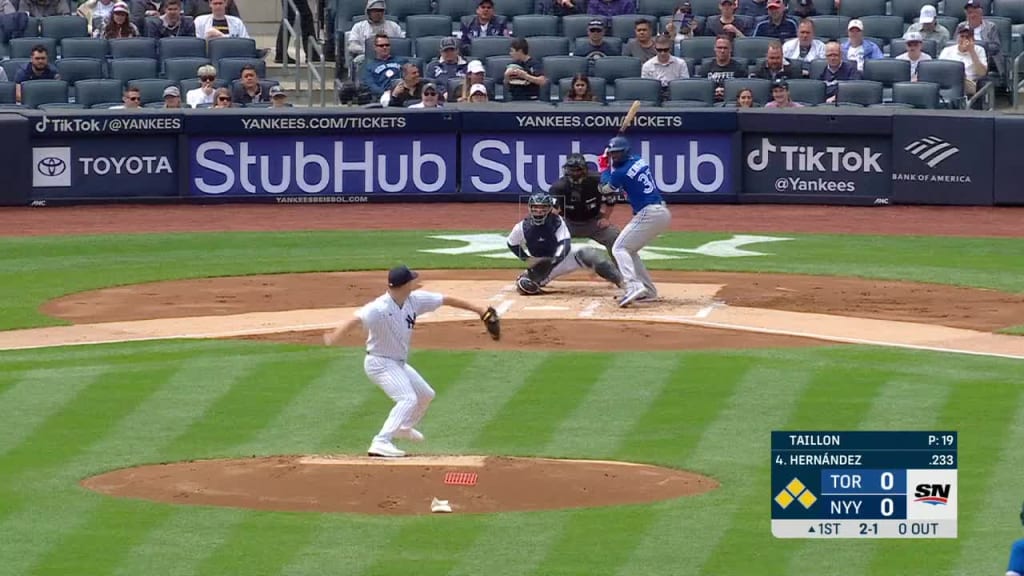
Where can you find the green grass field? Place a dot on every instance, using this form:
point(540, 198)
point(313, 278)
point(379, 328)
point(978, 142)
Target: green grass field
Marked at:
point(68, 413)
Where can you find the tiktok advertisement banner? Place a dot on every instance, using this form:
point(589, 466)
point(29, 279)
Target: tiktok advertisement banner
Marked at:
point(689, 164)
point(358, 168)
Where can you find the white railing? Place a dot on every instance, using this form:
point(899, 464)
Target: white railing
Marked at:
point(292, 37)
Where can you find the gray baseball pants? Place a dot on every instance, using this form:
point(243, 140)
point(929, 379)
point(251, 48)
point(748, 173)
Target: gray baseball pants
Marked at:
point(645, 226)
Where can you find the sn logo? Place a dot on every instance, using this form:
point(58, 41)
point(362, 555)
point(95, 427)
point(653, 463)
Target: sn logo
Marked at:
point(934, 494)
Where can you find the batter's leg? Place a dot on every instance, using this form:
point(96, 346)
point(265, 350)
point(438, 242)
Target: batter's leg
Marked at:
point(424, 395)
point(391, 377)
point(644, 227)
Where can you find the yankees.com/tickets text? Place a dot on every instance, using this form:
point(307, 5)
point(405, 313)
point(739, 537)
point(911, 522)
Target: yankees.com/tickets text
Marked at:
point(597, 121)
point(325, 123)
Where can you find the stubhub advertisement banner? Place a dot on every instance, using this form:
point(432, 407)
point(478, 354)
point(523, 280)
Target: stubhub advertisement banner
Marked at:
point(523, 163)
point(324, 167)
point(125, 167)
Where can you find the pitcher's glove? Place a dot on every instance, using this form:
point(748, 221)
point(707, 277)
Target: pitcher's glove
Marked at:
point(492, 323)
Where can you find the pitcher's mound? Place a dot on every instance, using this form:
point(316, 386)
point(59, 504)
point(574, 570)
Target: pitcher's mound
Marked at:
point(401, 486)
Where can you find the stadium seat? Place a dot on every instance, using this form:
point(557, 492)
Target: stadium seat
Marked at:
point(597, 86)
point(614, 45)
point(85, 48)
point(698, 48)
point(231, 68)
point(218, 48)
point(761, 88)
point(494, 67)
point(1012, 9)
point(703, 8)
point(861, 8)
point(949, 75)
point(887, 71)
point(646, 90)
point(22, 47)
point(899, 46)
point(512, 8)
point(830, 27)
point(923, 95)
point(33, 27)
point(456, 9)
point(182, 47)
point(12, 66)
point(956, 10)
point(575, 26)
point(863, 92)
point(176, 69)
point(658, 8)
point(420, 25)
point(8, 93)
point(692, 90)
point(72, 70)
point(402, 9)
point(91, 92)
point(884, 27)
point(490, 46)
point(141, 47)
point(151, 89)
point(400, 47)
point(611, 68)
point(428, 47)
point(558, 67)
point(128, 69)
point(529, 25)
point(36, 92)
point(807, 91)
point(909, 10)
point(949, 23)
point(750, 48)
point(60, 106)
point(623, 25)
point(544, 46)
point(822, 8)
point(61, 27)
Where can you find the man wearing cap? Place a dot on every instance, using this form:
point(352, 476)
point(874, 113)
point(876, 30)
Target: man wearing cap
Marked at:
point(780, 95)
point(723, 67)
point(856, 48)
point(374, 24)
point(609, 8)
point(805, 46)
point(278, 98)
point(381, 72)
point(777, 25)
point(389, 321)
point(448, 65)
point(431, 97)
point(973, 57)
point(727, 22)
point(484, 24)
point(410, 87)
point(664, 67)
point(172, 97)
point(985, 33)
point(914, 54)
point(596, 46)
point(928, 28)
point(836, 70)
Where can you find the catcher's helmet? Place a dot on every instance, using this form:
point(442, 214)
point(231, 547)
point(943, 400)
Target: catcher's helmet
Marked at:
point(575, 167)
point(618, 150)
point(540, 205)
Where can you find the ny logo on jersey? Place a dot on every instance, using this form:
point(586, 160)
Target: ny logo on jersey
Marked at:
point(410, 321)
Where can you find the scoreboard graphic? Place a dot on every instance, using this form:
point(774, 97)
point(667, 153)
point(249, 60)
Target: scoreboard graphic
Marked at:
point(864, 484)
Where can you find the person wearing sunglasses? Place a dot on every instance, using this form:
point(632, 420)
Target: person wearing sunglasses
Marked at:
point(222, 98)
point(132, 99)
point(207, 75)
point(664, 67)
point(384, 69)
point(431, 97)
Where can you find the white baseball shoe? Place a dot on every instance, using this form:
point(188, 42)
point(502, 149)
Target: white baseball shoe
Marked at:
point(631, 296)
point(384, 450)
point(409, 434)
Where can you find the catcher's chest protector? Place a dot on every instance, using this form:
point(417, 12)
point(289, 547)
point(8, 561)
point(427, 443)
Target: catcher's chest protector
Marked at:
point(542, 240)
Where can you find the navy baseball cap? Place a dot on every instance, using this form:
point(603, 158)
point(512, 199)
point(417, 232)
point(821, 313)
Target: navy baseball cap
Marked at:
point(400, 276)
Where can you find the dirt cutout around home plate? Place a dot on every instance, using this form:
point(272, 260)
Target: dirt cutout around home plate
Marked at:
point(400, 486)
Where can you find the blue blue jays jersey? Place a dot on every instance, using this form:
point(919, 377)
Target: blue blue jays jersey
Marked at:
point(1017, 558)
point(634, 177)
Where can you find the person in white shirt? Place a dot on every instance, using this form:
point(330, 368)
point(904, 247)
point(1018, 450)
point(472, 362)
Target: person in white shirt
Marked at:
point(219, 23)
point(664, 67)
point(856, 49)
point(914, 54)
point(972, 56)
point(207, 74)
point(805, 46)
point(390, 320)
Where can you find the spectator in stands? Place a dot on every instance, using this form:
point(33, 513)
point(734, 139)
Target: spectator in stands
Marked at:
point(278, 98)
point(580, 90)
point(218, 23)
point(914, 54)
point(374, 25)
point(484, 24)
point(478, 93)
point(775, 65)
point(172, 97)
point(447, 66)
point(596, 47)
point(141, 10)
point(805, 9)
point(205, 94)
point(131, 99)
point(682, 25)
point(524, 76)
point(44, 8)
point(248, 90)
point(723, 67)
point(745, 98)
point(753, 9)
point(38, 68)
point(559, 7)
point(171, 23)
point(805, 46)
point(777, 25)
point(384, 69)
point(96, 13)
point(431, 97)
point(609, 8)
point(728, 22)
point(642, 44)
point(836, 70)
point(119, 25)
point(409, 87)
point(475, 73)
point(222, 98)
point(928, 28)
point(856, 49)
point(986, 35)
point(780, 95)
point(664, 67)
point(973, 57)
point(196, 8)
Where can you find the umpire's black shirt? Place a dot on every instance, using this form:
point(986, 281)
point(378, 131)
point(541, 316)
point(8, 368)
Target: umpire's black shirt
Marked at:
point(580, 202)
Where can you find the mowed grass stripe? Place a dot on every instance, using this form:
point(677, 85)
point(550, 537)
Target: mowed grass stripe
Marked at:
point(38, 528)
point(343, 544)
point(426, 545)
point(984, 543)
point(507, 543)
point(262, 543)
point(528, 420)
point(182, 542)
point(31, 397)
point(733, 448)
point(901, 404)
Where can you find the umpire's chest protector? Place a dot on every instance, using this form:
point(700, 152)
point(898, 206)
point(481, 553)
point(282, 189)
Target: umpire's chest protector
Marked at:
point(541, 239)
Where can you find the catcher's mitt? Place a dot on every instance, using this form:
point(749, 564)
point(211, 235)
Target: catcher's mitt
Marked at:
point(540, 268)
point(492, 322)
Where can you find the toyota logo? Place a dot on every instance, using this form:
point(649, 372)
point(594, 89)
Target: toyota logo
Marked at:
point(51, 166)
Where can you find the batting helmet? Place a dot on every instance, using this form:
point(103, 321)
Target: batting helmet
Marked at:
point(618, 150)
point(575, 167)
point(540, 205)
point(525, 286)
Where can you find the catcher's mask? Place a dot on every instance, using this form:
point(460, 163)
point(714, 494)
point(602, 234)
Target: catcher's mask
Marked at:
point(618, 150)
point(540, 206)
point(575, 168)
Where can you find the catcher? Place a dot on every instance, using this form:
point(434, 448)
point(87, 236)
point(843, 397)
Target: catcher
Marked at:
point(584, 206)
point(390, 320)
point(549, 252)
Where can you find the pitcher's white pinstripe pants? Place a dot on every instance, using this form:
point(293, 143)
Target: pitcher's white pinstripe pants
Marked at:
point(403, 384)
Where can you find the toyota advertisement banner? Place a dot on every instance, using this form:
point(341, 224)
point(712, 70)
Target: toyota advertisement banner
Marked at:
point(105, 168)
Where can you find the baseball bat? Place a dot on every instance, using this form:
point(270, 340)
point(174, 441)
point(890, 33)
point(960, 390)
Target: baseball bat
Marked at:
point(630, 115)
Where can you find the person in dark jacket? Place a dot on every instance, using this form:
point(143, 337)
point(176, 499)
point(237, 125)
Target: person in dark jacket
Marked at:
point(172, 23)
point(836, 71)
point(776, 66)
point(777, 25)
point(486, 23)
point(447, 66)
point(609, 8)
point(383, 69)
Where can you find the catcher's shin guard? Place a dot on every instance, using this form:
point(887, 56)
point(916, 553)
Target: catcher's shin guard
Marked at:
point(605, 269)
point(595, 259)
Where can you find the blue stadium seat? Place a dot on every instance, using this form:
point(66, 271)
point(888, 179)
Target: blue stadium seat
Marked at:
point(885, 28)
point(830, 27)
point(8, 93)
point(490, 46)
point(862, 92)
point(807, 91)
point(558, 67)
point(646, 90)
point(923, 95)
point(658, 8)
point(611, 68)
point(456, 9)
point(861, 8)
point(151, 89)
point(72, 70)
point(909, 10)
point(541, 47)
point(704, 8)
point(750, 48)
point(575, 26)
point(128, 69)
point(420, 25)
point(176, 69)
point(512, 8)
point(181, 47)
point(528, 25)
point(761, 88)
point(22, 47)
point(691, 91)
point(140, 47)
point(698, 48)
point(61, 27)
point(402, 9)
point(949, 75)
point(12, 66)
point(428, 47)
point(89, 93)
point(36, 92)
point(97, 48)
point(219, 48)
